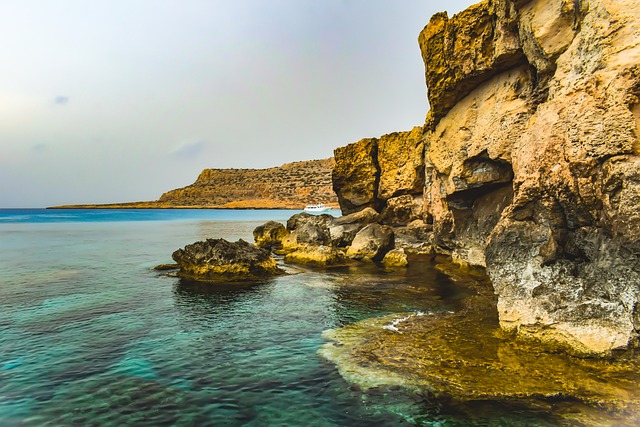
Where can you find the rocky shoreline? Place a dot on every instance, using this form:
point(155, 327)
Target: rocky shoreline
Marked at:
point(527, 167)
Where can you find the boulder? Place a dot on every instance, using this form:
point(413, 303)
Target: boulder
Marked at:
point(269, 235)
point(395, 258)
point(298, 220)
point(218, 260)
point(318, 256)
point(307, 229)
point(344, 229)
point(371, 243)
point(364, 216)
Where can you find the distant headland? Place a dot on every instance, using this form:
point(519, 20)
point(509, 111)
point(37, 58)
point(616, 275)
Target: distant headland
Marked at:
point(290, 186)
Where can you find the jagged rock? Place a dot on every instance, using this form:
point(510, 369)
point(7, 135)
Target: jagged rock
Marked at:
point(462, 52)
point(269, 235)
point(371, 243)
point(401, 163)
point(356, 174)
point(318, 256)
point(374, 172)
point(560, 270)
point(395, 258)
point(217, 260)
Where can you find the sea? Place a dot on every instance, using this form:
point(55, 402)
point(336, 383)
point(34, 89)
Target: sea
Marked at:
point(92, 335)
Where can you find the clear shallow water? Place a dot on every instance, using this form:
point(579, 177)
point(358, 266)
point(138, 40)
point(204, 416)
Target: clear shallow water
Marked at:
point(90, 335)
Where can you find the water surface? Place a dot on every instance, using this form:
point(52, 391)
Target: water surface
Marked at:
point(90, 335)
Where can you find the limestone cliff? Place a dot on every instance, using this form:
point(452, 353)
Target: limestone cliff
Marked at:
point(385, 173)
point(528, 163)
point(290, 186)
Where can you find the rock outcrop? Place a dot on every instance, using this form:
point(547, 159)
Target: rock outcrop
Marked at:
point(217, 260)
point(376, 172)
point(528, 163)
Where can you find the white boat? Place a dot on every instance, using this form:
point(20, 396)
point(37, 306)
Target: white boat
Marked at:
point(319, 208)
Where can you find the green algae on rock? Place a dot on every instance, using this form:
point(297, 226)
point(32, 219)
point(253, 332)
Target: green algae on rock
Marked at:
point(462, 356)
point(318, 256)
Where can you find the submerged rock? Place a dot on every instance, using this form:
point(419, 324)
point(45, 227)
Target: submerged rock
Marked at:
point(218, 260)
point(461, 356)
point(165, 267)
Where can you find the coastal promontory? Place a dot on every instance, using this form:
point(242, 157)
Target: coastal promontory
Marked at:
point(290, 186)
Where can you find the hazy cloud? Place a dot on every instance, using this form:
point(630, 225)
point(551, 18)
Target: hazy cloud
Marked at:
point(188, 149)
point(40, 147)
point(61, 100)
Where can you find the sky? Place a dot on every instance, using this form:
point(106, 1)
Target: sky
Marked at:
point(108, 101)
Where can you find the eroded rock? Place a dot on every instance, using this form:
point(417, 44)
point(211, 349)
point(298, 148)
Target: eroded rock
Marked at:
point(218, 260)
point(531, 163)
point(269, 235)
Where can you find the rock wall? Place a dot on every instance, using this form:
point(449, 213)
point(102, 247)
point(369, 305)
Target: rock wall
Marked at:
point(528, 163)
point(385, 173)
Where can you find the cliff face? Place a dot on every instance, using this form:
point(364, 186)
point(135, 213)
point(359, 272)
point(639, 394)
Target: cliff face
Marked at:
point(530, 164)
point(384, 173)
point(290, 186)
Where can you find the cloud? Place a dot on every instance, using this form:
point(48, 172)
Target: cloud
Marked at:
point(61, 100)
point(188, 149)
point(40, 147)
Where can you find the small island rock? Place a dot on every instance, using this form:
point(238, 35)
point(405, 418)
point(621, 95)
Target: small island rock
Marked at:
point(218, 260)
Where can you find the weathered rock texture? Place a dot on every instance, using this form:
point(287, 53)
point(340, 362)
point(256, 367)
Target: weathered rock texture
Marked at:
point(385, 173)
point(530, 163)
point(217, 260)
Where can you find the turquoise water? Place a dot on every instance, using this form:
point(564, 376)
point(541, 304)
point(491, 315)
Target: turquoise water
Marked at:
point(90, 335)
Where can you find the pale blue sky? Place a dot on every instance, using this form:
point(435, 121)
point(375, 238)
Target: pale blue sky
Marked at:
point(119, 100)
